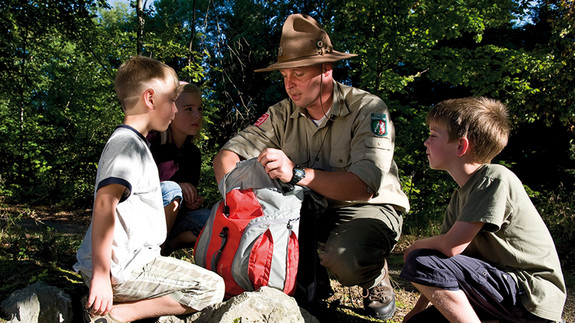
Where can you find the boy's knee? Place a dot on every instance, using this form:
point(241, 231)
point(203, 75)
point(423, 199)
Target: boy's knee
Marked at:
point(421, 258)
point(416, 254)
point(217, 288)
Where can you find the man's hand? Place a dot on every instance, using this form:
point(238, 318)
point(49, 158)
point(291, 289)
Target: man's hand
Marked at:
point(276, 164)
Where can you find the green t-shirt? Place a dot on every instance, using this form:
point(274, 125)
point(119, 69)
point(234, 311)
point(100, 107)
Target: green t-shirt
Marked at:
point(514, 238)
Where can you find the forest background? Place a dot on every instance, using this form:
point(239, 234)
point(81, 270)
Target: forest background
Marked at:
point(58, 107)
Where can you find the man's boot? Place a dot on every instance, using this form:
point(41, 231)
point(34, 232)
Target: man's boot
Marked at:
point(379, 301)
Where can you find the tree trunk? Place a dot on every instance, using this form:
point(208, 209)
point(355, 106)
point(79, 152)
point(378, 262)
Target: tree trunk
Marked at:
point(140, 30)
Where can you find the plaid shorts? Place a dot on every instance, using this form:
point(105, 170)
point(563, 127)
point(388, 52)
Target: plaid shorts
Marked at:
point(188, 284)
point(491, 291)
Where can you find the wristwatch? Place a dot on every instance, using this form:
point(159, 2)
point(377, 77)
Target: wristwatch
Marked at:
point(298, 175)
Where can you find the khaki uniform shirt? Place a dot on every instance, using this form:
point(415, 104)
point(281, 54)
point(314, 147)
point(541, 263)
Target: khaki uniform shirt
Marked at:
point(514, 238)
point(358, 137)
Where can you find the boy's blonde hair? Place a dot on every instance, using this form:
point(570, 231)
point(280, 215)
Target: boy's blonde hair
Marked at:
point(483, 121)
point(133, 75)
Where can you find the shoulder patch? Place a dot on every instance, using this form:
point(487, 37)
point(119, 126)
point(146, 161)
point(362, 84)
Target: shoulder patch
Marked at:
point(379, 124)
point(261, 120)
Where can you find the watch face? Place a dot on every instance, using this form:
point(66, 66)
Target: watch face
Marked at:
point(298, 174)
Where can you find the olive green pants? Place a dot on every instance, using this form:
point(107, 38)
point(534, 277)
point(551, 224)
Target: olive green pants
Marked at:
point(358, 239)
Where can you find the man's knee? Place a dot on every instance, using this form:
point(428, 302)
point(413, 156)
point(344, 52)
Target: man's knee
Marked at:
point(352, 261)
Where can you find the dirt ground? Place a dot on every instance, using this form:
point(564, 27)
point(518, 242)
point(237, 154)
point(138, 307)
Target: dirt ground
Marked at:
point(345, 306)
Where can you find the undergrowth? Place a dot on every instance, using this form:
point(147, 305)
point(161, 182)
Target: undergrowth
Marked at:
point(27, 256)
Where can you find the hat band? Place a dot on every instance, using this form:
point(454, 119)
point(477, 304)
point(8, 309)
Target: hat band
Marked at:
point(286, 57)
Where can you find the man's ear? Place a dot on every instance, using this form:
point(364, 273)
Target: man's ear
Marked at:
point(463, 146)
point(149, 98)
point(326, 68)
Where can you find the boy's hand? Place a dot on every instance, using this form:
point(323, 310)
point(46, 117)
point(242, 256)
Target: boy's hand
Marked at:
point(100, 298)
point(407, 251)
point(451, 243)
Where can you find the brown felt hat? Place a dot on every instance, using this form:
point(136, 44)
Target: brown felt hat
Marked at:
point(304, 43)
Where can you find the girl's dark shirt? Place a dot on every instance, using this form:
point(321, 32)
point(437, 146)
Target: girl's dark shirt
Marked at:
point(179, 165)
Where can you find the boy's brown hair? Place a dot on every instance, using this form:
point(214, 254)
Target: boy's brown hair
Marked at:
point(483, 121)
point(133, 75)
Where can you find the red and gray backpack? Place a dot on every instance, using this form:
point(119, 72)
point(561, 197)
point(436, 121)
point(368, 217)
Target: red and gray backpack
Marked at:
point(251, 236)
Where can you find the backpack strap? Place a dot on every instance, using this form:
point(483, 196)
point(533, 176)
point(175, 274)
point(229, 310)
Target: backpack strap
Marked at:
point(216, 256)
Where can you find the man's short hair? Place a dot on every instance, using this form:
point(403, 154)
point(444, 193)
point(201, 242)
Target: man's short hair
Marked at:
point(483, 121)
point(134, 74)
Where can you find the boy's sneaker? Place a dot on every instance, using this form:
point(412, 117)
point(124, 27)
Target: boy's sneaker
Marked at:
point(100, 319)
point(88, 318)
point(379, 301)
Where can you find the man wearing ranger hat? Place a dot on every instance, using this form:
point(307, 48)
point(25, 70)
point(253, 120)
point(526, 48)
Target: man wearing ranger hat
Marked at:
point(338, 141)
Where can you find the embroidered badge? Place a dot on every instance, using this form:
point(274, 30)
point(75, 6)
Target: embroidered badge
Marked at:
point(261, 120)
point(379, 124)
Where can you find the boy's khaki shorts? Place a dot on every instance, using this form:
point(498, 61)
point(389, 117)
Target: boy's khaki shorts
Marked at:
point(188, 284)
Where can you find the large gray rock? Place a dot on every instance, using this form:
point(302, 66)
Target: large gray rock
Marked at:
point(265, 305)
point(38, 303)
point(46, 304)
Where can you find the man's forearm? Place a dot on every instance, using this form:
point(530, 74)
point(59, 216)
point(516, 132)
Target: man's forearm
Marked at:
point(224, 162)
point(341, 186)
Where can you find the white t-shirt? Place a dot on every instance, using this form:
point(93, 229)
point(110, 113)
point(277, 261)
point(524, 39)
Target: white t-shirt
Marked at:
point(140, 224)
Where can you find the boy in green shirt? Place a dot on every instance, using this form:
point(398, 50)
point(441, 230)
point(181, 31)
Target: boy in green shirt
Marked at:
point(495, 258)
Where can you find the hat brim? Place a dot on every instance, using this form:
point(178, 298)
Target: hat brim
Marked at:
point(333, 56)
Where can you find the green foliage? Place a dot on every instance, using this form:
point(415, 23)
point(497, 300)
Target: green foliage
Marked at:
point(59, 59)
point(58, 107)
point(557, 207)
point(54, 115)
point(208, 187)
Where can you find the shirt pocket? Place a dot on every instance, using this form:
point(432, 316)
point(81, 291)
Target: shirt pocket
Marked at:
point(380, 143)
point(379, 151)
point(297, 156)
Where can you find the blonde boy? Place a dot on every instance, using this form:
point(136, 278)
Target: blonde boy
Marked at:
point(119, 258)
point(495, 258)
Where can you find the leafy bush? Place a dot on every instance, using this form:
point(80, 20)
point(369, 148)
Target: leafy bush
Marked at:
point(557, 208)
